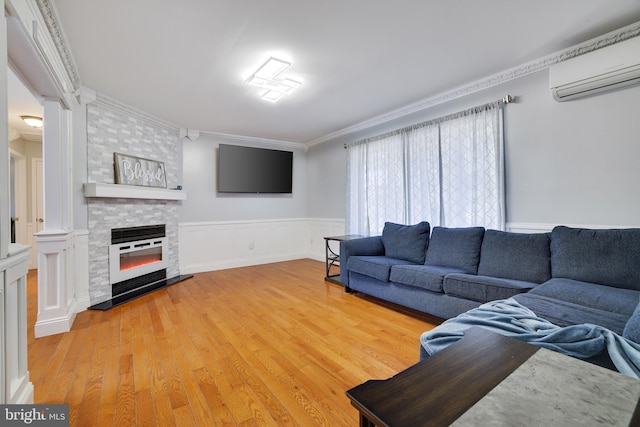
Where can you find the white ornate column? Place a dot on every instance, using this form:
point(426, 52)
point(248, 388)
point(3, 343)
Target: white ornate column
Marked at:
point(56, 285)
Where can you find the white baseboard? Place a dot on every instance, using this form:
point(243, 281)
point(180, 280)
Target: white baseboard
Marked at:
point(83, 304)
point(55, 325)
point(24, 392)
point(223, 265)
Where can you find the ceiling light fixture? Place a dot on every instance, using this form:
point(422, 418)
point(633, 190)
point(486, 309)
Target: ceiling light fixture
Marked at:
point(267, 78)
point(34, 121)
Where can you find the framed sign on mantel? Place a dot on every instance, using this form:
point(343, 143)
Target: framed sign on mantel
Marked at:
point(131, 170)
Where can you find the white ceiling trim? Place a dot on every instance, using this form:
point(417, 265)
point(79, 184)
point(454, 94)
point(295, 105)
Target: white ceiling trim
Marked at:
point(50, 16)
point(128, 110)
point(616, 36)
point(226, 137)
point(134, 112)
point(31, 136)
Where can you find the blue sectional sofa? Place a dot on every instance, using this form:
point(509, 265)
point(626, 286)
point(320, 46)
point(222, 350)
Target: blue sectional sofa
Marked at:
point(568, 276)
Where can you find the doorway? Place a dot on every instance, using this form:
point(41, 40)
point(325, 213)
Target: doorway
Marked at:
point(25, 156)
point(18, 197)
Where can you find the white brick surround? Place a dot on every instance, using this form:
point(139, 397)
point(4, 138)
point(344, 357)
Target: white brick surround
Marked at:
point(111, 130)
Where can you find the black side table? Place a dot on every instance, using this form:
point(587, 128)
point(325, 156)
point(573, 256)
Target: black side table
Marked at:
point(332, 257)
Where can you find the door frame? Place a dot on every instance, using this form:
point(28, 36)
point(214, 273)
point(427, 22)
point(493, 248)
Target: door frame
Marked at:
point(20, 195)
point(35, 201)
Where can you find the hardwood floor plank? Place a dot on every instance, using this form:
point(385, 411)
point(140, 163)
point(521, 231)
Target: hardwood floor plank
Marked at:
point(78, 384)
point(88, 408)
point(181, 346)
point(109, 387)
point(267, 345)
point(125, 403)
point(163, 413)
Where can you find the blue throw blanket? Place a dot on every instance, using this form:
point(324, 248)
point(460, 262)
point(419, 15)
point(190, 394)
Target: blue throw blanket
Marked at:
point(510, 318)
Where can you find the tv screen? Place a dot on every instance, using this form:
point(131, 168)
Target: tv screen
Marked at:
point(254, 170)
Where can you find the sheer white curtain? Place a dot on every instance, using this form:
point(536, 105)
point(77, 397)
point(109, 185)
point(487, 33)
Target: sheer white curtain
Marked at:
point(423, 175)
point(375, 184)
point(447, 171)
point(472, 170)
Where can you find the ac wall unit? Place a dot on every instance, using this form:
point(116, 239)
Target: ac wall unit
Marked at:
point(605, 69)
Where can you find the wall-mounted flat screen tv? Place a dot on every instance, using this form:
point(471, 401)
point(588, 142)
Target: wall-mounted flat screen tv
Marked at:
point(254, 170)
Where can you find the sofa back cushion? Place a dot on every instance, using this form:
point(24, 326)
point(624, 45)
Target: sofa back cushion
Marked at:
point(608, 257)
point(406, 242)
point(516, 256)
point(455, 247)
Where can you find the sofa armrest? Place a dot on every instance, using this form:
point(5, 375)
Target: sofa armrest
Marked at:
point(366, 246)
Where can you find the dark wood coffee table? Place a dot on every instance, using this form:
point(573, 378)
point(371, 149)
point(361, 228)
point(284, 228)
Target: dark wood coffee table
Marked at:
point(439, 390)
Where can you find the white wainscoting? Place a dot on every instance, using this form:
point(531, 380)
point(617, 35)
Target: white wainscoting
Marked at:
point(33, 251)
point(208, 246)
point(15, 386)
point(320, 228)
point(524, 227)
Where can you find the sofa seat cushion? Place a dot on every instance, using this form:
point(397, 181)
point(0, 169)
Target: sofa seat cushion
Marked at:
point(378, 267)
point(483, 288)
point(565, 313)
point(609, 257)
point(421, 276)
point(406, 242)
point(605, 298)
point(517, 256)
point(455, 247)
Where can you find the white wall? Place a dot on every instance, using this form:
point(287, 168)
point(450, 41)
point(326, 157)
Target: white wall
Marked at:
point(575, 163)
point(204, 203)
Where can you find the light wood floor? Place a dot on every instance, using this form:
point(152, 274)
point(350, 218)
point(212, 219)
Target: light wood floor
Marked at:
point(269, 345)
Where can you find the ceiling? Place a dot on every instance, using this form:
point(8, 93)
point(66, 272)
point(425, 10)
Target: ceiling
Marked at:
point(186, 62)
point(21, 102)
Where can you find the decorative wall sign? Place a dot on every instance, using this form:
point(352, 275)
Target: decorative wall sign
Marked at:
point(132, 170)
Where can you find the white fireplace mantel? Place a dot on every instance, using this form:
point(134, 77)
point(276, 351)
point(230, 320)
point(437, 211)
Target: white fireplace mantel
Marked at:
point(121, 191)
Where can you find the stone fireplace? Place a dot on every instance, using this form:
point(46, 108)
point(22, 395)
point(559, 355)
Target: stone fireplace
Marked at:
point(114, 128)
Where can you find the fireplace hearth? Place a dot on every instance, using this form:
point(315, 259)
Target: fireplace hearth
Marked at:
point(137, 263)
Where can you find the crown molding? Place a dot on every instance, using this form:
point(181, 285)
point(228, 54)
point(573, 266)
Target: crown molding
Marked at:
point(181, 133)
point(613, 37)
point(50, 16)
point(123, 108)
point(240, 139)
point(31, 136)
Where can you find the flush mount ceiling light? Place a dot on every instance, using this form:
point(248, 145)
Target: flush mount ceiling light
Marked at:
point(268, 77)
point(34, 121)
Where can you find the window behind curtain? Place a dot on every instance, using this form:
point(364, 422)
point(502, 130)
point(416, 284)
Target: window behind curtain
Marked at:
point(447, 171)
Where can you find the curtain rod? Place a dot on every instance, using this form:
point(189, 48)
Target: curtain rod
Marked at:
point(507, 99)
